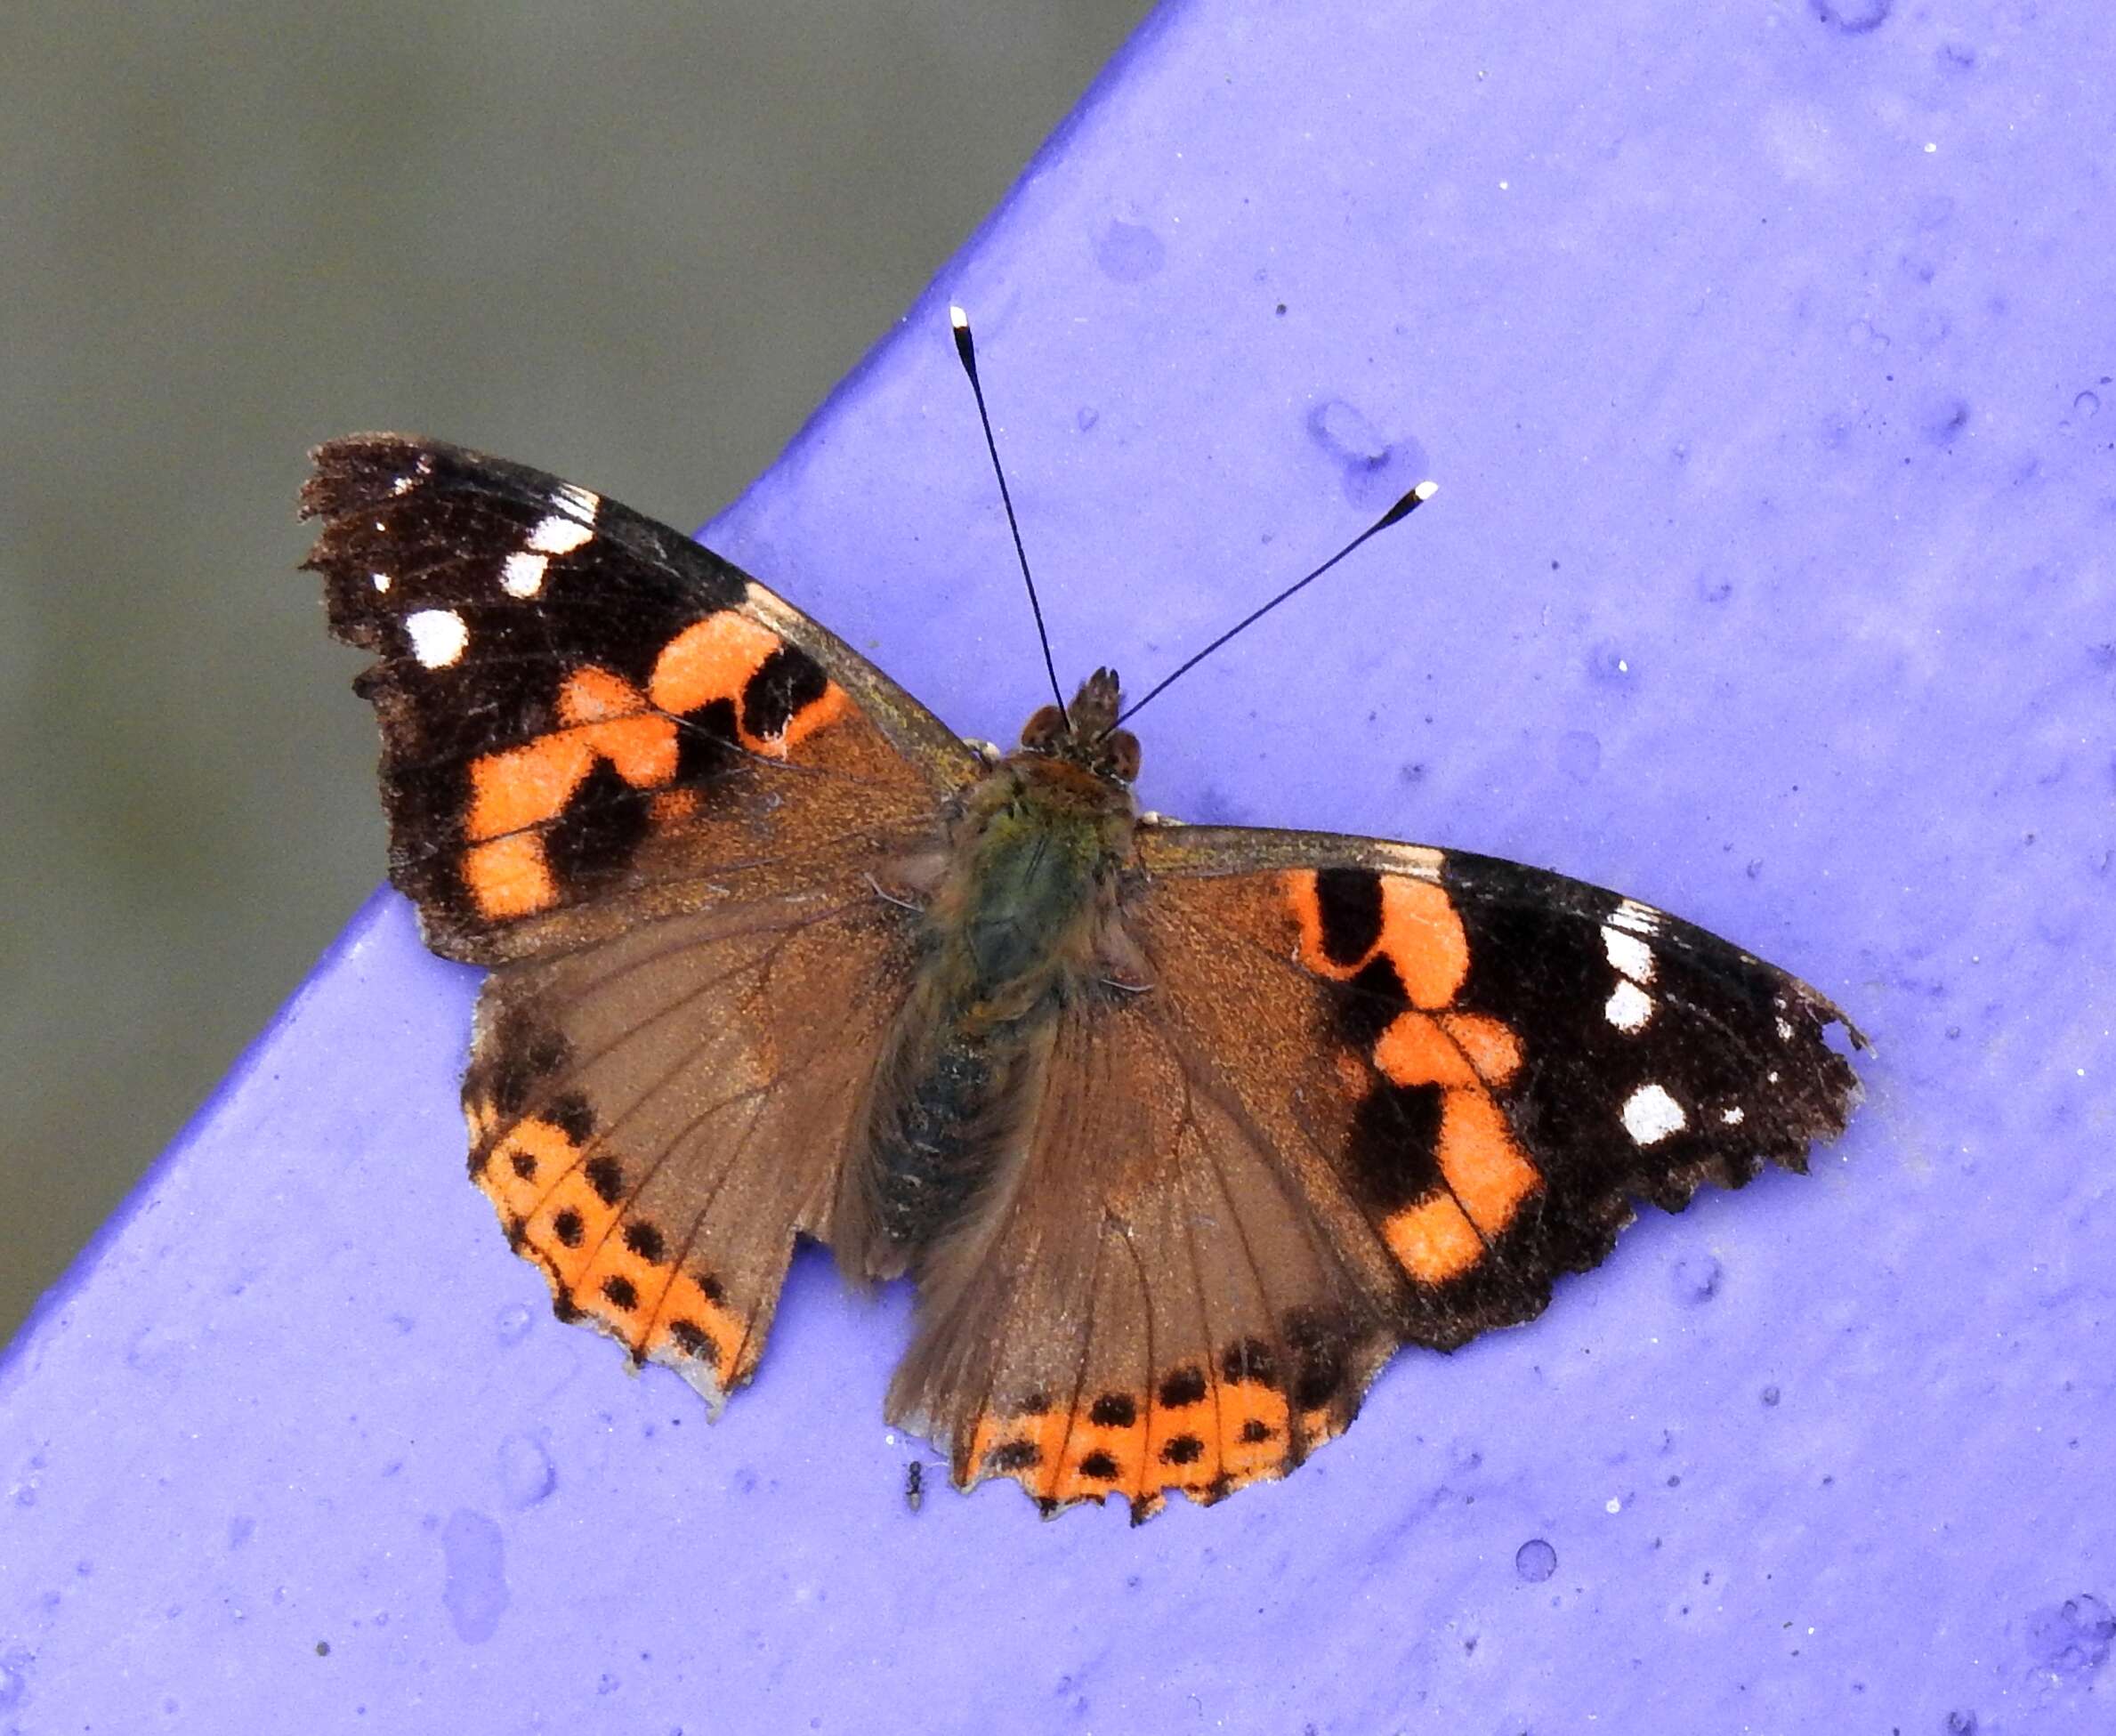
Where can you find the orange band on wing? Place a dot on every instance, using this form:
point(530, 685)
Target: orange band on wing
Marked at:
point(710, 659)
point(1416, 1050)
point(1432, 1240)
point(1420, 934)
point(597, 1263)
point(718, 658)
point(519, 787)
point(1485, 1169)
point(1139, 1446)
point(508, 876)
point(1490, 1047)
point(1487, 1178)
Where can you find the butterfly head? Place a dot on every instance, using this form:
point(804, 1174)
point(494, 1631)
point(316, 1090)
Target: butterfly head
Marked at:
point(1084, 733)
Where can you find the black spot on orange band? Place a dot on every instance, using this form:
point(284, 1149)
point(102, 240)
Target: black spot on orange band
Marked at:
point(1349, 899)
point(598, 830)
point(788, 682)
point(606, 1176)
point(1186, 1386)
point(644, 1241)
point(706, 742)
point(573, 1116)
point(1394, 1152)
point(1114, 1410)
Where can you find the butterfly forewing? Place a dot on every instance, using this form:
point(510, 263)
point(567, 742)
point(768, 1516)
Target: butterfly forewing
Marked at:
point(588, 718)
point(1501, 1060)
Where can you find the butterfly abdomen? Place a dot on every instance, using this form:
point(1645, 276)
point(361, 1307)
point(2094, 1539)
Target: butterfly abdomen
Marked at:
point(1014, 920)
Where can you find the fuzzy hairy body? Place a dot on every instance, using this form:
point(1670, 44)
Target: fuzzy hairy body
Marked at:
point(1023, 917)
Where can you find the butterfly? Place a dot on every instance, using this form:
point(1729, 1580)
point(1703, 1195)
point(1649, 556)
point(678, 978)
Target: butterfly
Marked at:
point(1180, 1132)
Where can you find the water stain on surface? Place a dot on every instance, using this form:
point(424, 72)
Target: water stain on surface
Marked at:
point(1852, 17)
point(474, 1569)
point(1130, 252)
point(526, 1473)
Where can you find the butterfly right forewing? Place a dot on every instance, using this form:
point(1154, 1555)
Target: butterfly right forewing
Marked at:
point(1509, 1059)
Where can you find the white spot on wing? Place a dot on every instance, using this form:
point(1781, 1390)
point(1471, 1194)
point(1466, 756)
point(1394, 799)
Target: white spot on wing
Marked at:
point(1635, 918)
point(381, 581)
point(523, 574)
point(438, 636)
point(558, 535)
point(1785, 1031)
point(582, 504)
point(1651, 1115)
point(1629, 1007)
point(1632, 957)
point(1733, 1117)
point(404, 484)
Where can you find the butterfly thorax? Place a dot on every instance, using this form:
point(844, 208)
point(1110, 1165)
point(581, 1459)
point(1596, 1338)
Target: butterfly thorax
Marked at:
point(1023, 917)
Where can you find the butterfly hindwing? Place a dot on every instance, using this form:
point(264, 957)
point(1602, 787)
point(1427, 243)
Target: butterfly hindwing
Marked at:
point(656, 1116)
point(1169, 1295)
point(656, 799)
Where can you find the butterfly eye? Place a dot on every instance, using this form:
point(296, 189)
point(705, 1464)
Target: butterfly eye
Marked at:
point(1043, 731)
point(1121, 755)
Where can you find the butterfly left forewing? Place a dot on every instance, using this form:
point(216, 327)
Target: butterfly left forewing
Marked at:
point(588, 718)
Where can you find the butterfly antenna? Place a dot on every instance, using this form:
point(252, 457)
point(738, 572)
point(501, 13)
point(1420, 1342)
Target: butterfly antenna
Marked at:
point(965, 349)
point(1396, 515)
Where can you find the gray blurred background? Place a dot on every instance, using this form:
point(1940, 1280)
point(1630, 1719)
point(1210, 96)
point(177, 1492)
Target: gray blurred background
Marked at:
point(634, 244)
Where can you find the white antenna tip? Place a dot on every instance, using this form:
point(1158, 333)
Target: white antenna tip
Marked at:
point(958, 318)
point(1425, 490)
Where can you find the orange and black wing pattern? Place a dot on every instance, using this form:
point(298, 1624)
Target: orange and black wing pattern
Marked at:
point(1510, 1057)
point(663, 803)
point(586, 717)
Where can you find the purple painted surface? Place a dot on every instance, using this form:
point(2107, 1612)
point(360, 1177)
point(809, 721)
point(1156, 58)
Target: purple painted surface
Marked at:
point(1764, 359)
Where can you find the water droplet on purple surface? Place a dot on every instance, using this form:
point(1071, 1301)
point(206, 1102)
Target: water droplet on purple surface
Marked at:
point(526, 1475)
